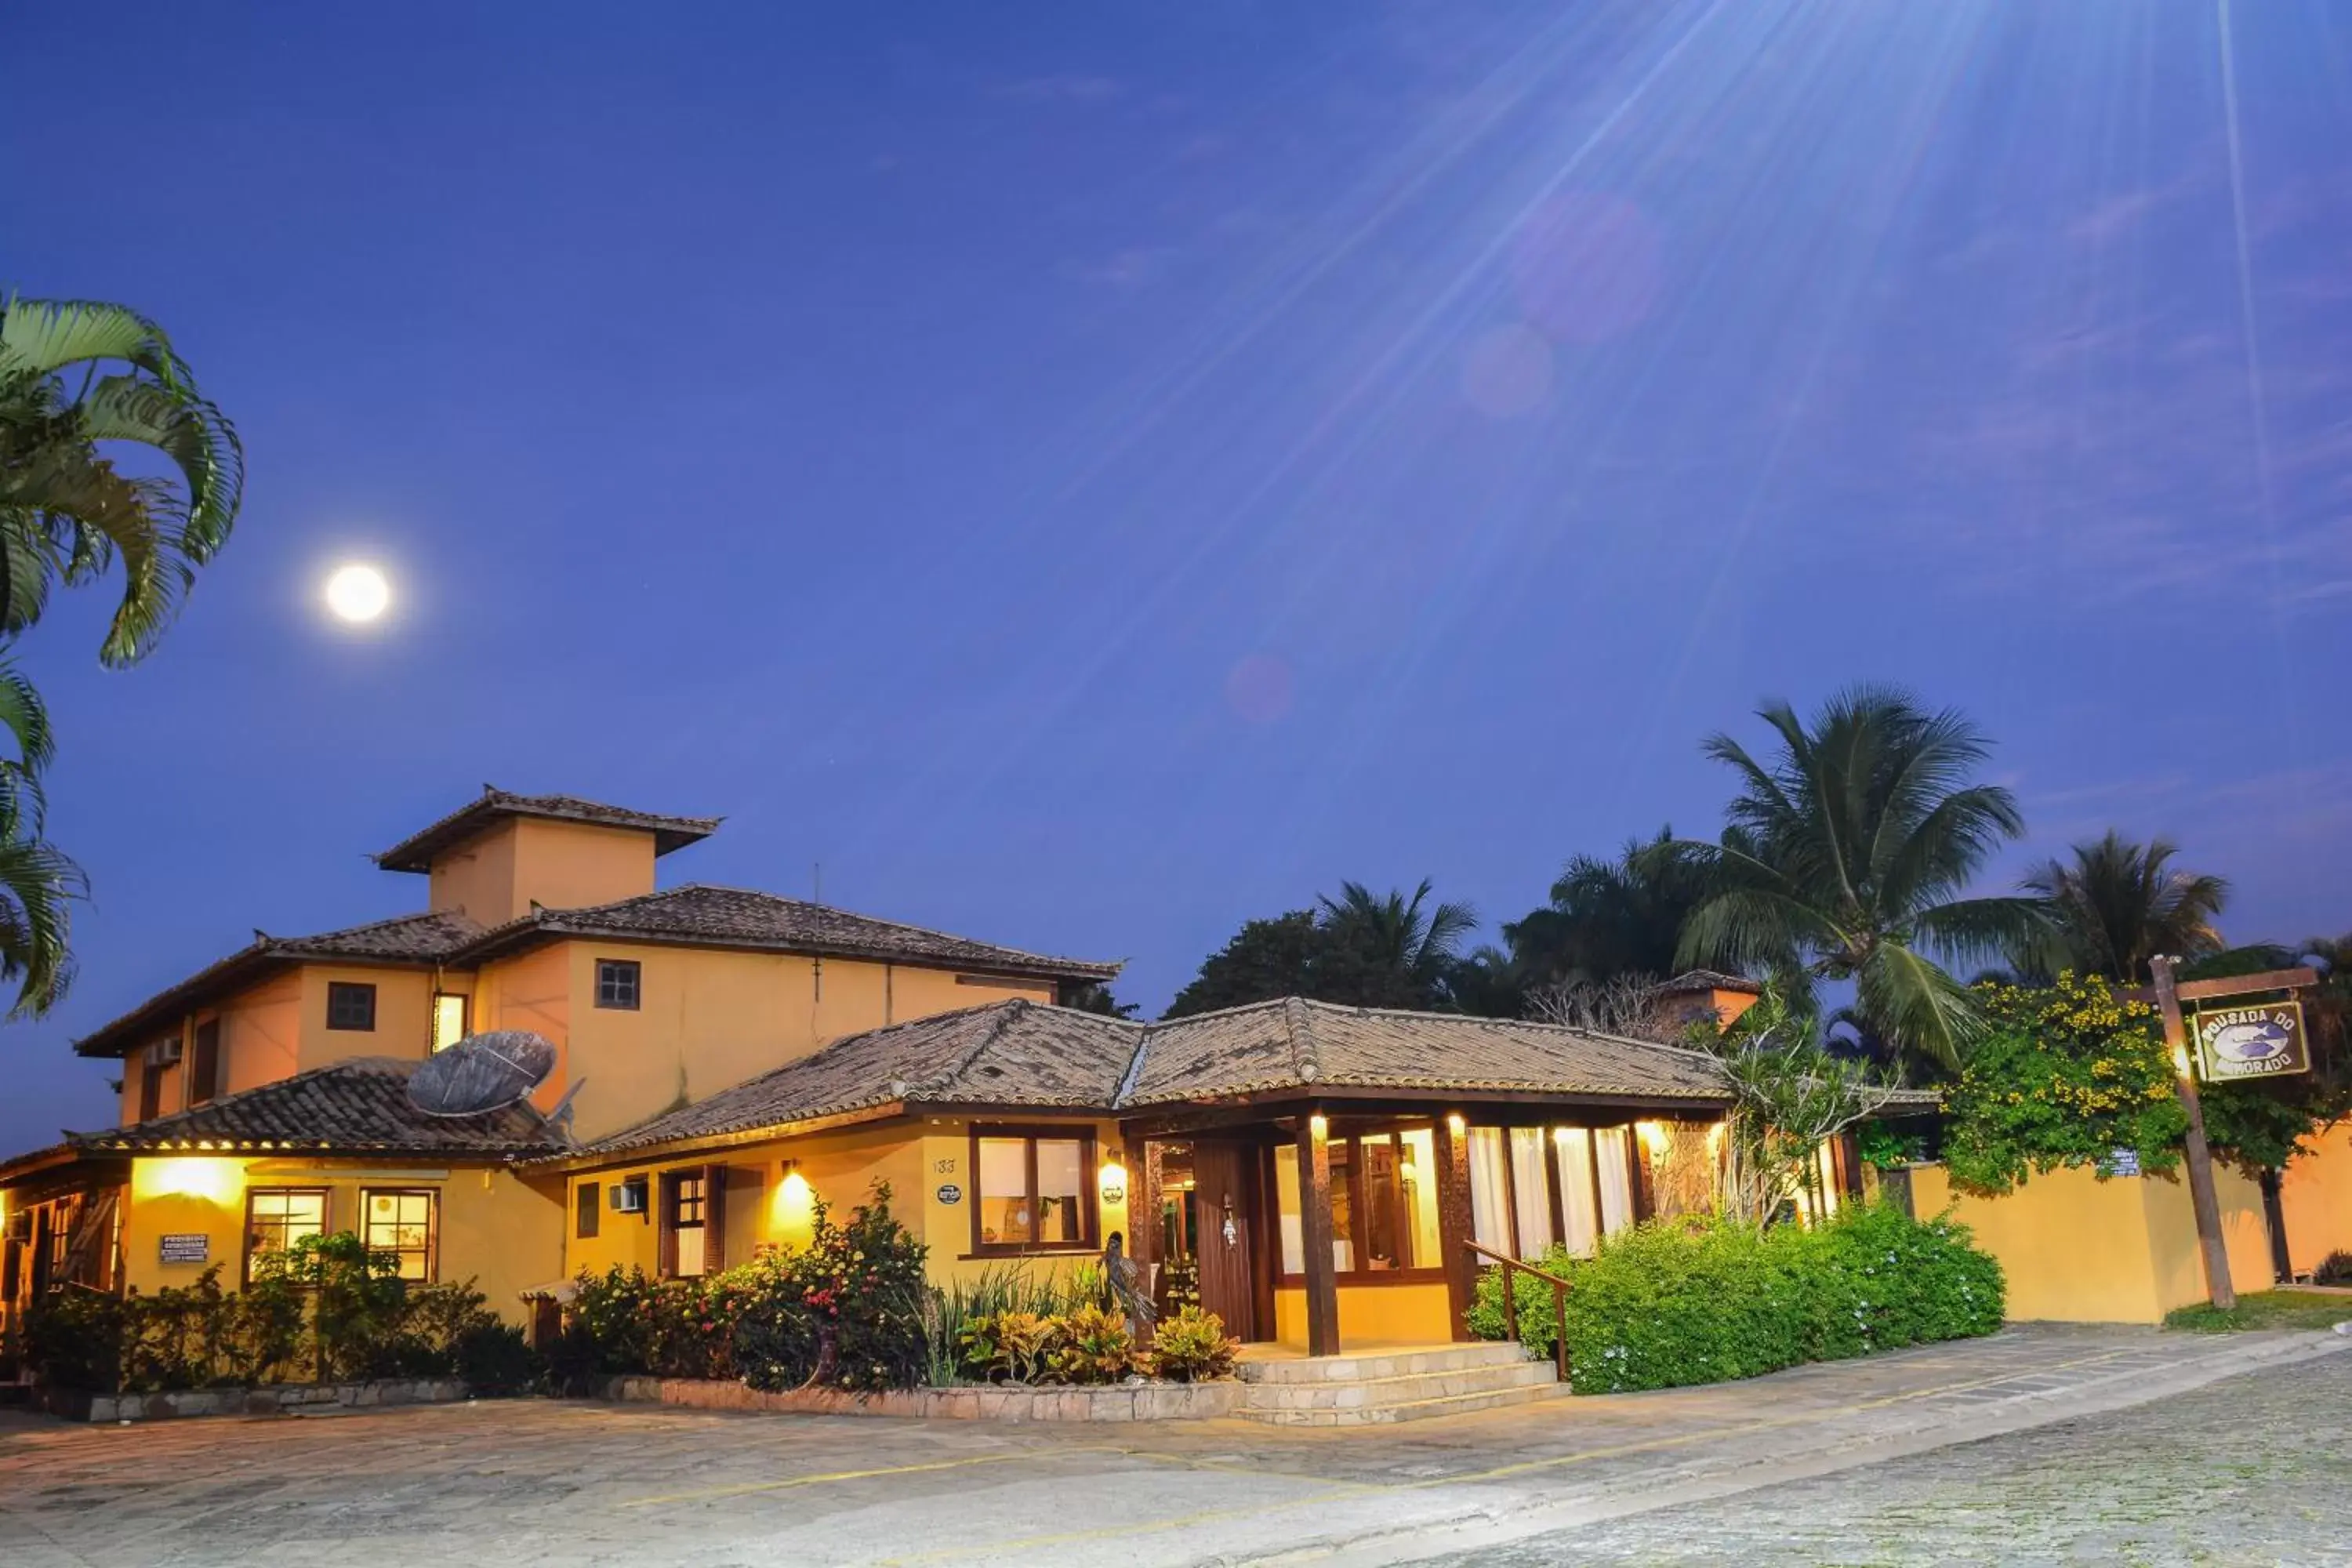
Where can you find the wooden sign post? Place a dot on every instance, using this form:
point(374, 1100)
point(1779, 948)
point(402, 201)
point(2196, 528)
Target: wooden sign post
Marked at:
point(2219, 1288)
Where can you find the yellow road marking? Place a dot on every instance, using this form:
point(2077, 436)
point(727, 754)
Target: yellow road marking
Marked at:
point(743, 1488)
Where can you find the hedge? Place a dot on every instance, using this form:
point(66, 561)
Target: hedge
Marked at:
point(1676, 1302)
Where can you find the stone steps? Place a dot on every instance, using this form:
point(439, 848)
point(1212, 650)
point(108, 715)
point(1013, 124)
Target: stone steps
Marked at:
point(1379, 1388)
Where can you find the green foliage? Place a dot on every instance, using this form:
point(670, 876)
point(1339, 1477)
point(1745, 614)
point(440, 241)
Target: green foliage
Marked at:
point(323, 1312)
point(1885, 1149)
point(2306, 1310)
point(1191, 1346)
point(1095, 1347)
point(1001, 1288)
point(2117, 904)
point(1363, 949)
point(1095, 997)
point(1609, 918)
point(1678, 1302)
point(1265, 959)
point(2063, 1076)
point(2335, 1268)
point(848, 1311)
point(1790, 1095)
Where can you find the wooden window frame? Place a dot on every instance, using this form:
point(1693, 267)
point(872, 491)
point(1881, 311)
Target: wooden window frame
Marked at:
point(711, 1220)
point(1090, 1210)
point(205, 1063)
point(1357, 1193)
point(326, 1218)
point(151, 1088)
point(587, 1210)
point(432, 1196)
point(637, 986)
point(343, 989)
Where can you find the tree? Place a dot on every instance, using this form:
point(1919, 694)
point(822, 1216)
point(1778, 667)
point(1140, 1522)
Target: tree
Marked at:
point(1385, 951)
point(38, 883)
point(1788, 1097)
point(2119, 905)
point(1845, 859)
point(1611, 917)
point(1094, 996)
point(66, 511)
point(1265, 959)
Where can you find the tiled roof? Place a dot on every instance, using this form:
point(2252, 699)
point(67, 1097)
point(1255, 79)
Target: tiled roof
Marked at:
point(737, 917)
point(415, 852)
point(406, 939)
point(359, 1106)
point(1691, 980)
point(1018, 1053)
point(1007, 1053)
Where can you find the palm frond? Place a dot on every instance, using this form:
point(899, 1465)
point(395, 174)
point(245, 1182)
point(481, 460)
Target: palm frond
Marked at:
point(1915, 1005)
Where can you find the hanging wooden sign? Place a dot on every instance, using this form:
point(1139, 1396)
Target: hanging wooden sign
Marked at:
point(2263, 1039)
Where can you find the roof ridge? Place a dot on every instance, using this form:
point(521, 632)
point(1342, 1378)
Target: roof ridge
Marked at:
point(379, 925)
point(1258, 1006)
point(1300, 1030)
point(1005, 1011)
point(871, 920)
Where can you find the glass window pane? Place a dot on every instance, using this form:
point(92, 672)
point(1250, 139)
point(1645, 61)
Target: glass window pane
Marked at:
point(1061, 1189)
point(1285, 1204)
point(1532, 1191)
point(1576, 1199)
point(1343, 1207)
point(1388, 1242)
point(1490, 1189)
point(1418, 1172)
point(449, 1021)
point(1004, 1177)
point(1613, 1149)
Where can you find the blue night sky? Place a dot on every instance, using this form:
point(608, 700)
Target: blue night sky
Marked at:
point(1088, 474)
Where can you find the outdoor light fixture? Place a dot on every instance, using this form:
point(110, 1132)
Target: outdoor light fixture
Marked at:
point(1112, 1180)
point(1454, 1120)
point(1319, 1126)
point(215, 1181)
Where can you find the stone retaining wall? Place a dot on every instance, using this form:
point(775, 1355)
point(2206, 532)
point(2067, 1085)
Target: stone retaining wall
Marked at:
point(1118, 1401)
point(273, 1400)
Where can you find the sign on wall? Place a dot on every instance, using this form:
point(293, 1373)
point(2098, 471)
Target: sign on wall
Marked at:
point(950, 1192)
point(2264, 1040)
point(185, 1247)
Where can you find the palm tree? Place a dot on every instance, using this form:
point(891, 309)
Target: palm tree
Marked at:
point(1383, 950)
point(1611, 917)
point(1845, 859)
point(66, 511)
point(38, 883)
point(2120, 904)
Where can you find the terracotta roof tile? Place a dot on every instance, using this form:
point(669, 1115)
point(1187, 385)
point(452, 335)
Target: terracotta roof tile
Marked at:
point(415, 852)
point(360, 1106)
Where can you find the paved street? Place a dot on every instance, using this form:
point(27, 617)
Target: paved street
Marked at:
point(540, 1482)
point(2254, 1470)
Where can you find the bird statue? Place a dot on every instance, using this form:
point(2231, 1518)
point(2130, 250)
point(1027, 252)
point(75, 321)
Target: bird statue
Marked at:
point(1129, 1286)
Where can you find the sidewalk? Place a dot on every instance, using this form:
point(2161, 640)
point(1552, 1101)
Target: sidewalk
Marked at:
point(568, 1483)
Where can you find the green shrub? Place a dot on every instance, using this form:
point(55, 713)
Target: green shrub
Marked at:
point(846, 1311)
point(951, 1313)
point(1688, 1301)
point(1191, 1346)
point(494, 1358)
point(2335, 1268)
point(1095, 1347)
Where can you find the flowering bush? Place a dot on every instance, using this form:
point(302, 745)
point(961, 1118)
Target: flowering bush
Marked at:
point(1687, 1301)
point(2064, 1076)
point(844, 1312)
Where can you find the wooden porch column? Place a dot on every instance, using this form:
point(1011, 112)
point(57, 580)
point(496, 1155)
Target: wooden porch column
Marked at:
point(1455, 1224)
point(1314, 1225)
point(1144, 1243)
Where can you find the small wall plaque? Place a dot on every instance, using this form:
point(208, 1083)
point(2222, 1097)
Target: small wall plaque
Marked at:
point(187, 1247)
point(950, 1192)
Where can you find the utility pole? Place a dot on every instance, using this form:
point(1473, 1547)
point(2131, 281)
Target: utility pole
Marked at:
point(2207, 1207)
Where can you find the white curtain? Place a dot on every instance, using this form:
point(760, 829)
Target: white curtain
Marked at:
point(1613, 1149)
point(1576, 1200)
point(1490, 1189)
point(1532, 1191)
point(1287, 1207)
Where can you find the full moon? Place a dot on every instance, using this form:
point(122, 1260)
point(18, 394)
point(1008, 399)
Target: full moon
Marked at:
point(358, 592)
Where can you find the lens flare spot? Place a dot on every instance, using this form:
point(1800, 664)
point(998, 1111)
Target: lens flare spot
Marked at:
point(1507, 372)
point(1586, 268)
point(1260, 687)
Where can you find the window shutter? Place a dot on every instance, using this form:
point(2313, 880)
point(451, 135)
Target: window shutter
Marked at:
point(668, 1261)
point(151, 1090)
point(714, 1218)
point(204, 1074)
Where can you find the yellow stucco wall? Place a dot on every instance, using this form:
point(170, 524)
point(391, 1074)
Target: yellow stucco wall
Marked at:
point(839, 1168)
point(2076, 1248)
point(498, 1229)
point(1371, 1314)
point(404, 1015)
point(261, 1034)
point(2315, 1196)
point(498, 875)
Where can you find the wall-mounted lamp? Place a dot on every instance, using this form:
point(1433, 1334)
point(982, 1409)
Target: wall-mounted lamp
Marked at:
point(1112, 1180)
point(1454, 1120)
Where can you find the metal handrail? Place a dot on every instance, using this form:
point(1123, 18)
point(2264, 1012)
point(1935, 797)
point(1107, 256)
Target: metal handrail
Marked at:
point(1559, 1289)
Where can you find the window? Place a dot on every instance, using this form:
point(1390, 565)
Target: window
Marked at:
point(617, 982)
point(1383, 1205)
point(204, 1079)
point(1033, 1190)
point(588, 1200)
point(151, 1088)
point(450, 1019)
point(278, 1217)
point(688, 1204)
point(350, 1005)
point(400, 1223)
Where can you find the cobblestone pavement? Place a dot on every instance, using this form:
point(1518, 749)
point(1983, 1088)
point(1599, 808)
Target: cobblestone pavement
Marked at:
point(562, 1483)
point(2253, 1470)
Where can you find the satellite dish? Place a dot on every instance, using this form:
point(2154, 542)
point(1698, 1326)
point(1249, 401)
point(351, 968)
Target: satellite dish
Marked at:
point(481, 1072)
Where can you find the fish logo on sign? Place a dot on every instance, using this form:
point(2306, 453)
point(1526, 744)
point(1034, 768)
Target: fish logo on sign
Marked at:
point(2252, 1042)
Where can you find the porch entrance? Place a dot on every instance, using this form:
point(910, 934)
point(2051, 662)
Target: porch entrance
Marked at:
point(1211, 1198)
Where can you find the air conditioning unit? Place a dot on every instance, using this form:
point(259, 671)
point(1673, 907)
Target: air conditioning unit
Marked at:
point(629, 1197)
point(163, 1053)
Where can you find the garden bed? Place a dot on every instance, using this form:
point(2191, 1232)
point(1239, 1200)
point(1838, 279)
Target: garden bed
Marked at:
point(272, 1399)
point(1114, 1402)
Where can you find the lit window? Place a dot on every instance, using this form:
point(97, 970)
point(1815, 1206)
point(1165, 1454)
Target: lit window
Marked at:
point(401, 1224)
point(1033, 1192)
point(278, 1217)
point(690, 1195)
point(449, 1019)
point(1383, 1204)
point(617, 982)
point(350, 1005)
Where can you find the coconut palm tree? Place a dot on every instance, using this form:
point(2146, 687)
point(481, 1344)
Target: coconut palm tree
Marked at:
point(2121, 904)
point(66, 513)
point(1845, 857)
point(1611, 917)
point(1385, 950)
point(38, 883)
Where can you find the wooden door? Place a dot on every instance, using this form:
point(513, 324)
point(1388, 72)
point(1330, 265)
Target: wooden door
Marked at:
point(1225, 1200)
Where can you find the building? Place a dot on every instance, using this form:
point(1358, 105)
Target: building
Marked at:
point(263, 1097)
